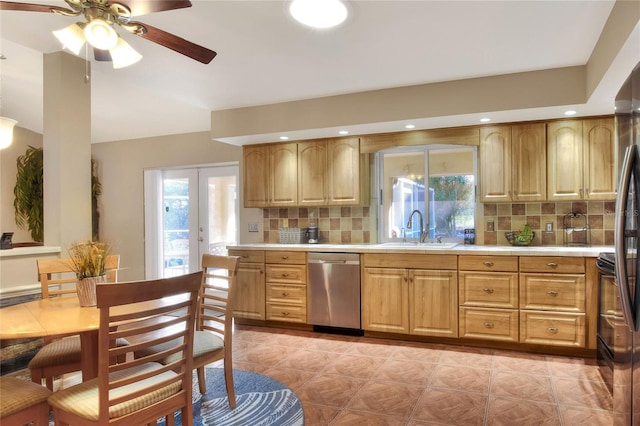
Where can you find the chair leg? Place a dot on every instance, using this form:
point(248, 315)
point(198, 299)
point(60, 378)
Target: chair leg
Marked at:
point(228, 380)
point(202, 383)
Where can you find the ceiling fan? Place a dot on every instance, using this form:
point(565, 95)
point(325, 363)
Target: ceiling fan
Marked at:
point(101, 15)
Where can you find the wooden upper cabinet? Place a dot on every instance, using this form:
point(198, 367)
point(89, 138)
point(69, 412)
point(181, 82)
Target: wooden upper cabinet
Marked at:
point(581, 160)
point(312, 173)
point(270, 175)
point(344, 171)
point(528, 162)
point(513, 163)
point(329, 172)
point(495, 163)
point(255, 162)
point(600, 159)
point(283, 183)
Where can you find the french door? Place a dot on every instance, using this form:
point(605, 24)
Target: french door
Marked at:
point(188, 212)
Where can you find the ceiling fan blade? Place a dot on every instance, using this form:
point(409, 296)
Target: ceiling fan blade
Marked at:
point(101, 55)
point(143, 7)
point(175, 43)
point(30, 7)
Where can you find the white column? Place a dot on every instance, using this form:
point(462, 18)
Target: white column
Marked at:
point(67, 150)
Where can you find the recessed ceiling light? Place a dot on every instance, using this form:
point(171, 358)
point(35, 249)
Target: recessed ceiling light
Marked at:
point(344, 132)
point(410, 126)
point(485, 120)
point(570, 112)
point(318, 13)
point(284, 138)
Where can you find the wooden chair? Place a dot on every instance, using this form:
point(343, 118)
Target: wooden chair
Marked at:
point(23, 402)
point(140, 390)
point(214, 323)
point(62, 355)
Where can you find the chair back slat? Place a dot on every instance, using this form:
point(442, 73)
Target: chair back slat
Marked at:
point(58, 279)
point(147, 313)
point(216, 294)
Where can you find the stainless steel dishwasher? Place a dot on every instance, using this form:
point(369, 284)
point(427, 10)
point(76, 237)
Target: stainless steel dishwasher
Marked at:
point(334, 289)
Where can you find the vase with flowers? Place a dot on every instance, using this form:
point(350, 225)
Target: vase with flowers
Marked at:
point(88, 261)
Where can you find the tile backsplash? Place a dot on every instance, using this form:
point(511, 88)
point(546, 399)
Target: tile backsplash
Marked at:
point(337, 225)
point(598, 216)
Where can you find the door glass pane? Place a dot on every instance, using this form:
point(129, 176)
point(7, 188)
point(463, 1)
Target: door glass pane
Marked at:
point(176, 226)
point(221, 213)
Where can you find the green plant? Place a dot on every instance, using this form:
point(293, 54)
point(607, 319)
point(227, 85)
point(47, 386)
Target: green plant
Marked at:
point(28, 201)
point(89, 258)
point(28, 192)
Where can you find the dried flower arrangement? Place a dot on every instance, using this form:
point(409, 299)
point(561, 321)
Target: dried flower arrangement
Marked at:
point(89, 258)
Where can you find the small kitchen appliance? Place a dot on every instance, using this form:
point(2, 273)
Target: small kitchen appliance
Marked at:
point(312, 234)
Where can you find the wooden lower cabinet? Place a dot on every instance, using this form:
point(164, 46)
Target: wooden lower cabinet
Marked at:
point(250, 285)
point(286, 287)
point(385, 300)
point(410, 300)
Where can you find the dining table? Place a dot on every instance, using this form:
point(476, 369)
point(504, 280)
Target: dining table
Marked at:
point(52, 317)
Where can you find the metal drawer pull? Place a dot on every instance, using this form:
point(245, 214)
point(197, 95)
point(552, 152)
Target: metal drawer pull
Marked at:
point(488, 290)
point(552, 293)
point(488, 324)
point(285, 294)
point(553, 330)
point(284, 257)
point(552, 264)
point(285, 274)
point(285, 313)
point(245, 256)
point(487, 263)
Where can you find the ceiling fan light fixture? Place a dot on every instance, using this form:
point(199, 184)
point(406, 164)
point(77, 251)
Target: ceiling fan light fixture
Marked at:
point(318, 13)
point(71, 37)
point(6, 131)
point(123, 55)
point(100, 34)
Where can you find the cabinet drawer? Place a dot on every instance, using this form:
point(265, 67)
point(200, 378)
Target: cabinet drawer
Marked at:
point(287, 257)
point(411, 261)
point(287, 294)
point(552, 328)
point(488, 289)
point(292, 274)
point(554, 264)
point(488, 263)
point(552, 292)
point(248, 256)
point(489, 324)
point(287, 313)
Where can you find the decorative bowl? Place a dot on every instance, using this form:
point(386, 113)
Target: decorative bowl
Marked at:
point(514, 241)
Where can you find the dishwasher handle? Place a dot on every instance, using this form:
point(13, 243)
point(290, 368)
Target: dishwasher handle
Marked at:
point(338, 262)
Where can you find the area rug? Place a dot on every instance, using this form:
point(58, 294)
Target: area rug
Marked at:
point(260, 401)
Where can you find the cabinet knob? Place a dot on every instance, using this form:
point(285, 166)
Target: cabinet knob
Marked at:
point(487, 263)
point(553, 330)
point(488, 324)
point(552, 293)
point(245, 256)
point(285, 314)
point(285, 274)
point(285, 294)
point(488, 290)
point(284, 257)
point(552, 264)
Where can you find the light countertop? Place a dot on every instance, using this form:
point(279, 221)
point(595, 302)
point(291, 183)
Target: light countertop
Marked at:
point(418, 249)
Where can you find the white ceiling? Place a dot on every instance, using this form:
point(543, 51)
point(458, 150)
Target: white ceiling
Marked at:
point(265, 57)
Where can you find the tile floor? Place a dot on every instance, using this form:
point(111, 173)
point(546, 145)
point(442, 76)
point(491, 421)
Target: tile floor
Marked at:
point(346, 380)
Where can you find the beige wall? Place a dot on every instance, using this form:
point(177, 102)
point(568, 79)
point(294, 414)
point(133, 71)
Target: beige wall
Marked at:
point(120, 169)
point(22, 139)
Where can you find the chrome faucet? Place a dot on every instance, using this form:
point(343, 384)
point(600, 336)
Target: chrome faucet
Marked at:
point(423, 233)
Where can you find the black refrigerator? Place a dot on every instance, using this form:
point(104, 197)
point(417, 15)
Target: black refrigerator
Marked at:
point(626, 350)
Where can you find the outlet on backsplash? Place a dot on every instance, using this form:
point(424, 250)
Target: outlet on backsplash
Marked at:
point(490, 226)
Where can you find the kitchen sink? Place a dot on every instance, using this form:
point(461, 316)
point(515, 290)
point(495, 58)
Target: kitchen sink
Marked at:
point(409, 244)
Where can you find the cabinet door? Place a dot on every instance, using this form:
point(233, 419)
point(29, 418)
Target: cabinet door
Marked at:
point(255, 174)
point(250, 291)
point(312, 173)
point(565, 160)
point(283, 183)
point(344, 171)
point(600, 159)
point(434, 303)
point(529, 162)
point(495, 164)
point(385, 296)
